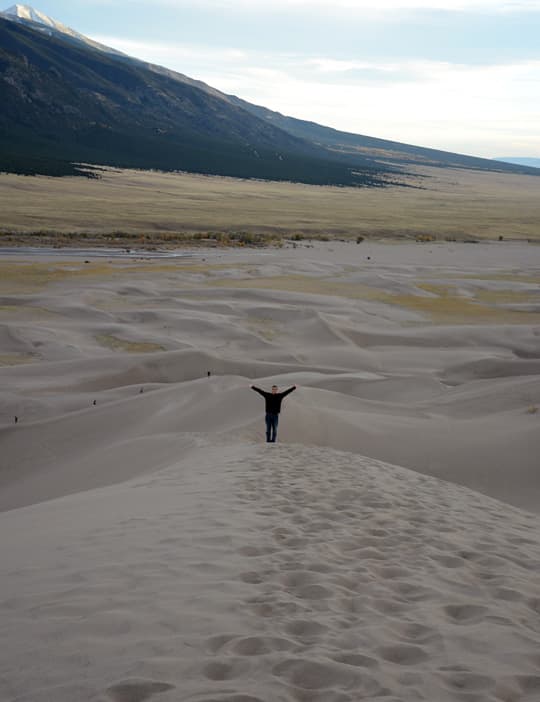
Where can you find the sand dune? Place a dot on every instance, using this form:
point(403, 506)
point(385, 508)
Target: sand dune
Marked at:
point(492, 368)
point(457, 401)
point(287, 573)
point(461, 436)
point(153, 549)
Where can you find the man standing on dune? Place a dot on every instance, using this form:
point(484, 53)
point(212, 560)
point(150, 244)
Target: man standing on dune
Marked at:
point(273, 407)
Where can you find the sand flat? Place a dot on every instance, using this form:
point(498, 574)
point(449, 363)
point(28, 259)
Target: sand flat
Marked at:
point(153, 548)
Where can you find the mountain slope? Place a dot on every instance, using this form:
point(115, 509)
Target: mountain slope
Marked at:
point(382, 151)
point(37, 20)
point(62, 101)
point(65, 98)
point(24, 14)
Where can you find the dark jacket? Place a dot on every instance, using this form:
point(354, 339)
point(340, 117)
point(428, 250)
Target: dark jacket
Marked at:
point(273, 399)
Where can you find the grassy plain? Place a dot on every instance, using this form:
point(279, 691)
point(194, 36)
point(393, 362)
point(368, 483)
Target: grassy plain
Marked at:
point(136, 207)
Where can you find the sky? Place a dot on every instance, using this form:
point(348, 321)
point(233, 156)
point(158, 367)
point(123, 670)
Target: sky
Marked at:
point(459, 75)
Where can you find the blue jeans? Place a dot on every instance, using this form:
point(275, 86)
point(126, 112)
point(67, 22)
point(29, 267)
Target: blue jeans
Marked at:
point(272, 421)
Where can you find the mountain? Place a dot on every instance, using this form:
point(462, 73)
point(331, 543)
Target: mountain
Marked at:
point(521, 160)
point(62, 101)
point(65, 99)
point(25, 14)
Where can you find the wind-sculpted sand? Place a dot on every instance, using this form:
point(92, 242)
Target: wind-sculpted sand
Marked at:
point(153, 548)
point(292, 573)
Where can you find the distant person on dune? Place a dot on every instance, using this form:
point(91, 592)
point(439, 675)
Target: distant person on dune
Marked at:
point(273, 407)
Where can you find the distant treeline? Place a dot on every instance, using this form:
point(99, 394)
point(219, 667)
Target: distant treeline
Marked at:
point(30, 165)
point(58, 155)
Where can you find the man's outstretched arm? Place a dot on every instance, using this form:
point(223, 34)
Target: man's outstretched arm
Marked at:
point(261, 392)
point(286, 392)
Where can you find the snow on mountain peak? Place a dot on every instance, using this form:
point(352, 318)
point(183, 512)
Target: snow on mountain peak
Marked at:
point(25, 12)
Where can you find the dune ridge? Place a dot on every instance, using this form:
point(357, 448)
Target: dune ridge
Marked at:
point(272, 573)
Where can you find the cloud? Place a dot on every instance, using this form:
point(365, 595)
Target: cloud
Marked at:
point(161, 53)
point(364, 6)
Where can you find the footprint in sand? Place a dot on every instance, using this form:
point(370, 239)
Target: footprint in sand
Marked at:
point(535, 660)
point(417, 633)
point(529, 685)
point(313, 592)
point(247, 646)
point(298, 578)
point(320, 681)
point(215, 643)
point(465, 613)
point(534, 604)
point(318, 675)
point(507, 594)
point(305, 629)
point(260, 645)
point(403, 654)
point(228, 669)
point(447, 561)
point(413, 592)
point(390, 572)
point(256, 551)
point(320, 567)
point(136, 690)
point(252, 577)
point(388, 606)
point(467, 681)
point(270, 607)
point(357, 659)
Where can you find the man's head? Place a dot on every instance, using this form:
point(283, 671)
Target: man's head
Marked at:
point(274, 389)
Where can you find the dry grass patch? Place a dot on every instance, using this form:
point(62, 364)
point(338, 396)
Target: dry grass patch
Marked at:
point(495, 277)
point(447, 306)
point(454, 309)
point(483, 297)
point(16, 359)
point(109, 341)
point(264, 327)
point(443, 305)
point(507, 297)
point(31, 277)
point(24, 311)
point(302, 284)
